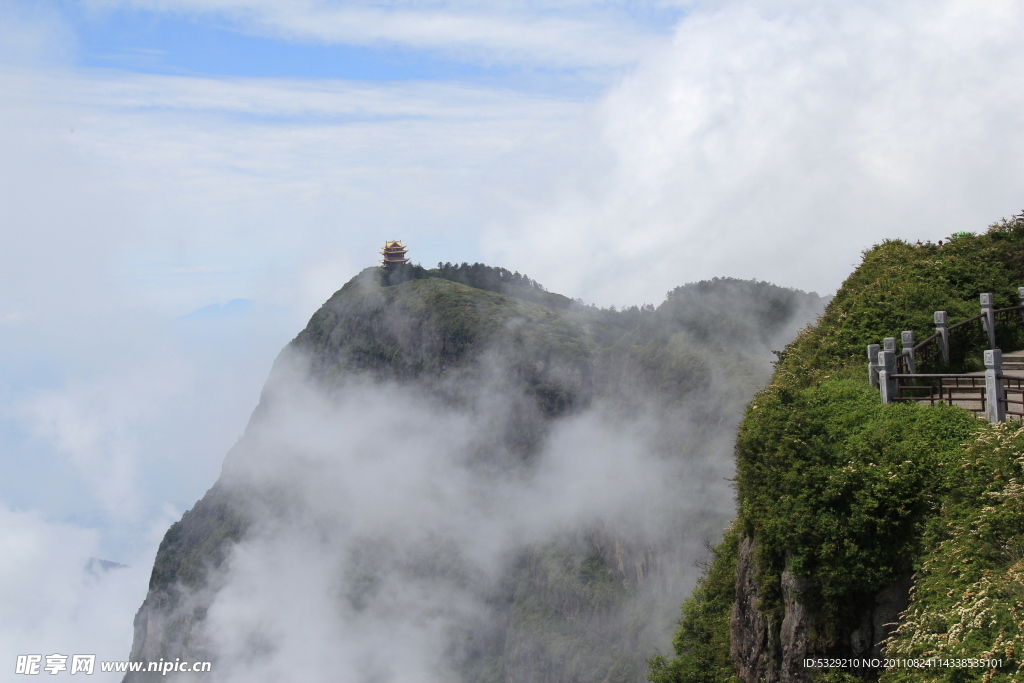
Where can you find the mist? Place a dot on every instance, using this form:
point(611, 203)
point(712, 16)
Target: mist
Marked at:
point(378, 536)
point(398, 530)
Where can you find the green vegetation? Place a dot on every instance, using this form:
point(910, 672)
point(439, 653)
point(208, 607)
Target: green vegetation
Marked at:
point(198, 542)
point(853, 494)
point(477, 276)
point(500, 280)
point(562, 619)
point(839, 486)
point(734, 312)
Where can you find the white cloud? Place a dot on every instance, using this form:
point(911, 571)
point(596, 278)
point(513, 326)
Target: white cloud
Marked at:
point(104, 427)
point(133, 433)
point(124, 183)
point(778, 140)
point(53, 600)
point(32, 34)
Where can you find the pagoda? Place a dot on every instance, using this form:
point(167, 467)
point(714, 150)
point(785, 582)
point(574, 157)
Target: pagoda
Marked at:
point(394, 253)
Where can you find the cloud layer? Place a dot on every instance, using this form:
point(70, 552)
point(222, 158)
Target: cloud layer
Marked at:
point(778, 140)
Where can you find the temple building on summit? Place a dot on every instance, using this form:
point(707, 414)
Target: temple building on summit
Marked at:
point(394, 253)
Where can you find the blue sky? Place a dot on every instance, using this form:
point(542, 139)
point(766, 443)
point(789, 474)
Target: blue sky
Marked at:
point(151, 41)
point(161, 156)
point(217, 41)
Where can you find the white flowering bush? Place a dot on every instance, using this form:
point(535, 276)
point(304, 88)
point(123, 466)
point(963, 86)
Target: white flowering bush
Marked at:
point(968, 601)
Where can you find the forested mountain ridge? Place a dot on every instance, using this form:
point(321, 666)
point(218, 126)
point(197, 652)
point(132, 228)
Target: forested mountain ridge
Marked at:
point(528, 374)
point(867, 530)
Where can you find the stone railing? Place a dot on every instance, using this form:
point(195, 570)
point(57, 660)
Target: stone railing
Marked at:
point(991, 393)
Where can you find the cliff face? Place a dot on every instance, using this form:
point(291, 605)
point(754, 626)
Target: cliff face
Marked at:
point(864, 530)
point(763, 648)
point(493, 480)
point(754, 641)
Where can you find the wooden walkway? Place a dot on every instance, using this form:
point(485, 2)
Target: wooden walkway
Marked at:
point(1012, 369)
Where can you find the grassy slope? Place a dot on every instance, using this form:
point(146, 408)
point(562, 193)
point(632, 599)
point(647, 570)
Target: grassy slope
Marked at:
point(854, 493)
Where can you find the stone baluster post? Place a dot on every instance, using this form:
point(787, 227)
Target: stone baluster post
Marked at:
point(988, 311)
point(887, 384)
point(907, 338)
point(873, 366)
point(1020, 300)
point(940, 327)
point(995, 406)
point(889, 344)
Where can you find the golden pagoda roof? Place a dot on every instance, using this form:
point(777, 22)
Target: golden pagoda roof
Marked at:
point(394, 252)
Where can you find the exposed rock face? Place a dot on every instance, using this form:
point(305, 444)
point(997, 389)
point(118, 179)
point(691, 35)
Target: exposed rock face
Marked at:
point(889, 603)
point(751, 649)
point(631, 562)
point(798, 628)
point(765, 653)
point(150, 626)
point(167, 627)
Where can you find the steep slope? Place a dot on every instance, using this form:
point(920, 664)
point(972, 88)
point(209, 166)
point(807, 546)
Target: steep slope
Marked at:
point(502, 382)
point(845, 503)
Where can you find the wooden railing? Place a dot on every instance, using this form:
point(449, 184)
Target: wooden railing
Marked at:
point(898, 376)
point(1014, 400)
point(936, 389)
point(969, 392)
